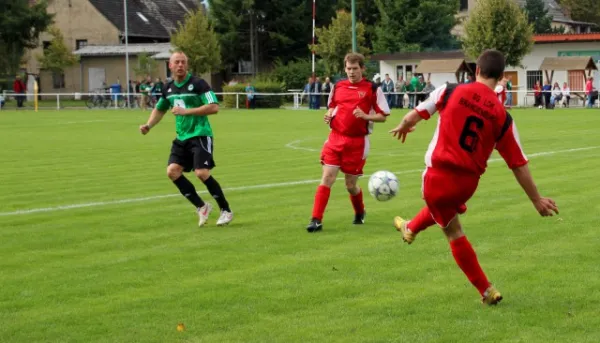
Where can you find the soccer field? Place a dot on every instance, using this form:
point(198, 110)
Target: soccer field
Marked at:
point(97, 245)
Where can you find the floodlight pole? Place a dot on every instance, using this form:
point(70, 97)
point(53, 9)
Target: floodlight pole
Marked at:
point(354, 47)
point(126, 55)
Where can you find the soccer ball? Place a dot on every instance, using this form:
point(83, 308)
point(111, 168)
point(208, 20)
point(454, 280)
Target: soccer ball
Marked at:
point(383, 185)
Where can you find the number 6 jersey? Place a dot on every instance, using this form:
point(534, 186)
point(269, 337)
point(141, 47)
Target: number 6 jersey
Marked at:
point(472, 122)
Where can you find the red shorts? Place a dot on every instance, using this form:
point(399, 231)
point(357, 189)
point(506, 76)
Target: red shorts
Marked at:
point(346, 152)
point(446, 193)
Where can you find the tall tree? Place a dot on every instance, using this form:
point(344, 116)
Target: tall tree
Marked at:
point(335, 41)
point(537, 14)
point(269, 30)
point(196, 38)
point(20, 27)
point(367, 13)
point(413, 25)
point(501, 25)
point(583, 10)
point(57, 57)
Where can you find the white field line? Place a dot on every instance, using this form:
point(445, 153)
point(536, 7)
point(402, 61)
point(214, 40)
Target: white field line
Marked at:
point(84, 122)
point(241, 188)
point(292, 145)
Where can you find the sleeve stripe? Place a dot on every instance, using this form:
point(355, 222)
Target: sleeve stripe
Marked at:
point(507, 124)
point(210, 98)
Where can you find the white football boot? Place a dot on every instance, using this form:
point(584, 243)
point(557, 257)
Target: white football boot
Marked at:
point(203, 213)
point(225, 218)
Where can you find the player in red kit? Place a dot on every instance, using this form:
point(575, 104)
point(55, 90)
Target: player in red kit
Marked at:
point(354, 105)
point(471, 124)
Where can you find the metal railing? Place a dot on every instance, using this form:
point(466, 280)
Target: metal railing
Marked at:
point(293, 99)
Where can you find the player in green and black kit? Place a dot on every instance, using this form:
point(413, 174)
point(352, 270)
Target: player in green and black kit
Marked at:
point(192, 100)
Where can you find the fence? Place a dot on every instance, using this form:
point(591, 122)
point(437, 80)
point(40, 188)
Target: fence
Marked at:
point(290, 100)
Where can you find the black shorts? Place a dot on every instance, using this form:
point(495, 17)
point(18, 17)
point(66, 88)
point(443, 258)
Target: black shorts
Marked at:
point(193, 153)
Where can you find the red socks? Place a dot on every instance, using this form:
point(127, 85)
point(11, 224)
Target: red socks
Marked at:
point(467, 261)
point(421, 221)
point(357, 202)
point(321, 199)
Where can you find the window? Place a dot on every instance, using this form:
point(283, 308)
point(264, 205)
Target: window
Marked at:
point(532, 77)
point(576, 80)
point(80, 43)
point(143, 18)
point(399, 73)
point(409, 73)
point(464, 5)
point(243, 67)
point(58, 80)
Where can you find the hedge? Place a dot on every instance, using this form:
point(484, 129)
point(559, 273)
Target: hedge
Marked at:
point(268, 101)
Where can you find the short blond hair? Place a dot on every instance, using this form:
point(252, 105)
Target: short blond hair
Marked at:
point(354, 57)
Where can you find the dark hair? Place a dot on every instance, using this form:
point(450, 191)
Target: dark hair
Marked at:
point(355, 58)
point(491, 64)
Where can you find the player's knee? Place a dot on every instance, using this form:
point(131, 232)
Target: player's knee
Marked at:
point(174, 172)
point(328, 180)
point(202, 174)
point(454, 230)
point(352, 188)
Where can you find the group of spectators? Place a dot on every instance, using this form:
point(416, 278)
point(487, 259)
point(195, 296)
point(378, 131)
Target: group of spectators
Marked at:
point(548, 95)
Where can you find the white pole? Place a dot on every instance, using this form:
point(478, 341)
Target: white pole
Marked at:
point(126, 54)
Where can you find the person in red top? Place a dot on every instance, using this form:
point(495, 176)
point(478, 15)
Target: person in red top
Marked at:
point(19, 88)
point(471, 124)
point(354, 105)
point(589, 88)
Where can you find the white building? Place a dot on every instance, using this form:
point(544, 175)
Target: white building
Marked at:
point(403, 65)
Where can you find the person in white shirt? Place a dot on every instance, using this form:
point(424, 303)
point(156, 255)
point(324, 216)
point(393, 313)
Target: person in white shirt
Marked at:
point(566, 92)
point(556, 94)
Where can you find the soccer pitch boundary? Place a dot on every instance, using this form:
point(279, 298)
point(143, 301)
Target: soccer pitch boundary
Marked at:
point(241, 188)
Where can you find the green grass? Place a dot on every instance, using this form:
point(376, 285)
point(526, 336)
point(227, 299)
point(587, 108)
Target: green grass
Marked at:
point(130, 272)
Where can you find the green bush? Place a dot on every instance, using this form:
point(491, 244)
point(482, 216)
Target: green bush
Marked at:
point(261, 86)
point(294, 75)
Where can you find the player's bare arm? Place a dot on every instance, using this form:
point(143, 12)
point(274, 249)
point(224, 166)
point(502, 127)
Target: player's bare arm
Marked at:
point(406, 125)
point(204, 110)
point(376, 117)
point(545, 206)
point(155, 117)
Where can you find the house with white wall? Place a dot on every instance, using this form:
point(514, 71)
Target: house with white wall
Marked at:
point(404, 64)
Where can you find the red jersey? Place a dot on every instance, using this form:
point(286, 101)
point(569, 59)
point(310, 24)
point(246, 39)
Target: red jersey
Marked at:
point(471, 123)
point(345, 97)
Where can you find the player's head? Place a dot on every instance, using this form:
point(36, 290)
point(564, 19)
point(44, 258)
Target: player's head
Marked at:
point(178, 64)
point(490, 65)
point(354, 65)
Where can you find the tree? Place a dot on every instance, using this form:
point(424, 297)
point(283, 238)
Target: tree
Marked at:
point(583, 10)
point(57, 57)
point(146, 65)
point(20, 27)
point(196, 38)
point(401, 28)
point(367, 13)
point(268, 30)
point(537, 14)
point(335, 41)
point(501, 25)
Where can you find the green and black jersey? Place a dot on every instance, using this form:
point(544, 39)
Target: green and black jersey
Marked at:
point(192, 92)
